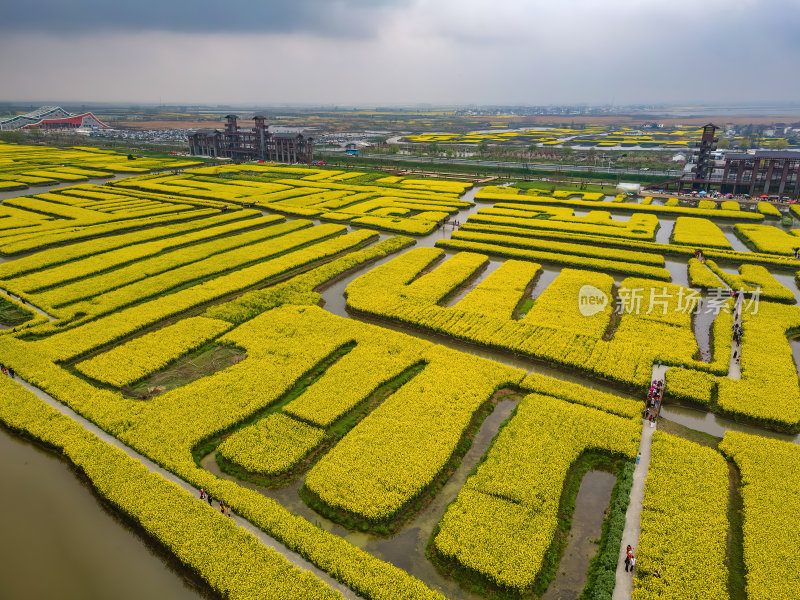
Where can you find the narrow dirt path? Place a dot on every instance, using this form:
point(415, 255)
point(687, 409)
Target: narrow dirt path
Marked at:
point(630, 535)
point(29, 305)
point(735, 369)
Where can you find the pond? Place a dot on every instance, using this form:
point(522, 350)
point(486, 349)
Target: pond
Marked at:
point(59, 541)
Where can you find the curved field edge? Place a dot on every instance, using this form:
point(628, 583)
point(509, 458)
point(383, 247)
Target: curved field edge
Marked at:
point(200, 537)
point(597, 578)
point(334, 432)
point(416, 504)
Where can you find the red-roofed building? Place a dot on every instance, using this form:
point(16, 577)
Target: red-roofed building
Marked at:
point(84, 121)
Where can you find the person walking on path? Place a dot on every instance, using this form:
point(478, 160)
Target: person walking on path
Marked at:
point(638, 457)
point(202, 494)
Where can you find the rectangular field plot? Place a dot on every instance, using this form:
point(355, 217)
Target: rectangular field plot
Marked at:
point(31, 165)
point(142, 356)
point(407, 205)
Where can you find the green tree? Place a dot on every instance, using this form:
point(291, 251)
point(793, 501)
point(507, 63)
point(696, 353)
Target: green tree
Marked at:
point(778, 144)
point(483, 148)
point(724, 144)
point(744, 143)
point(12, 137)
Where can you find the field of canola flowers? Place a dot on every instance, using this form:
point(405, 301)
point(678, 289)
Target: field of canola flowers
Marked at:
point(369, 416)
point(25, 166)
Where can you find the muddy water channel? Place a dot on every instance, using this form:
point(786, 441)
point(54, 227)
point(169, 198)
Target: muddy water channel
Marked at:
point(587, 526)
point(59, 542)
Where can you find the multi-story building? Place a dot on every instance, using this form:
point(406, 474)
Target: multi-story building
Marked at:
point(257, 143)
point(766, 172)
point(760, 173)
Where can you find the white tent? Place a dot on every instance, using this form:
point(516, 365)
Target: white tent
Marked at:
point(629, 188)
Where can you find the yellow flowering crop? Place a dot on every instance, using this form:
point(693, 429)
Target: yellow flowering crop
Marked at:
point(135, 254)
point(766, 238)
point(619, 206)
point(272, 445)
point(754, 277)
point(560, 333)
point(560, 301)
point(395, 452)
point(500, 292)
point(229, 262)
point(352, 379)
point(195, 260)
point(563, 247)
point(209, 543)
point(698, 233)
point(684, 523)
point(768, 390)
point(561, 253)
point(639, 226)
point(771, 498)
point(65, 233)
point(52, 257)
point(79, 340)
point(578, 394)
point(700, 276)
point(144, 355)
point(504, 519)
point(691, 385)
point(768, 210)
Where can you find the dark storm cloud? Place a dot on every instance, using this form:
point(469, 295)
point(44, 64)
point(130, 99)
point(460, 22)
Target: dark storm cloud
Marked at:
point(383, 52)
point(329, 18)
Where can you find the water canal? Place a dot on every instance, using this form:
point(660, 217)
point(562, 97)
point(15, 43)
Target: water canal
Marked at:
point(59, 540)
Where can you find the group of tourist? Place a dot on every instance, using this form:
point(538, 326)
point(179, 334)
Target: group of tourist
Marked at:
point(654, 399)
point(447, 221)
point(7, 371)
point(630, 562)
point(737, 331)
point(223, 508)
point(737, 342)
point(630, 559)
point(20, 298)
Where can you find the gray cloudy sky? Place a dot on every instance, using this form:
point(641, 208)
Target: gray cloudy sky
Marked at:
point(367, 52)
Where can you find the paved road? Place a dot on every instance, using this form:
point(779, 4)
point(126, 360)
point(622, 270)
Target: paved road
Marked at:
point(630, 535)
point(517, 165)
